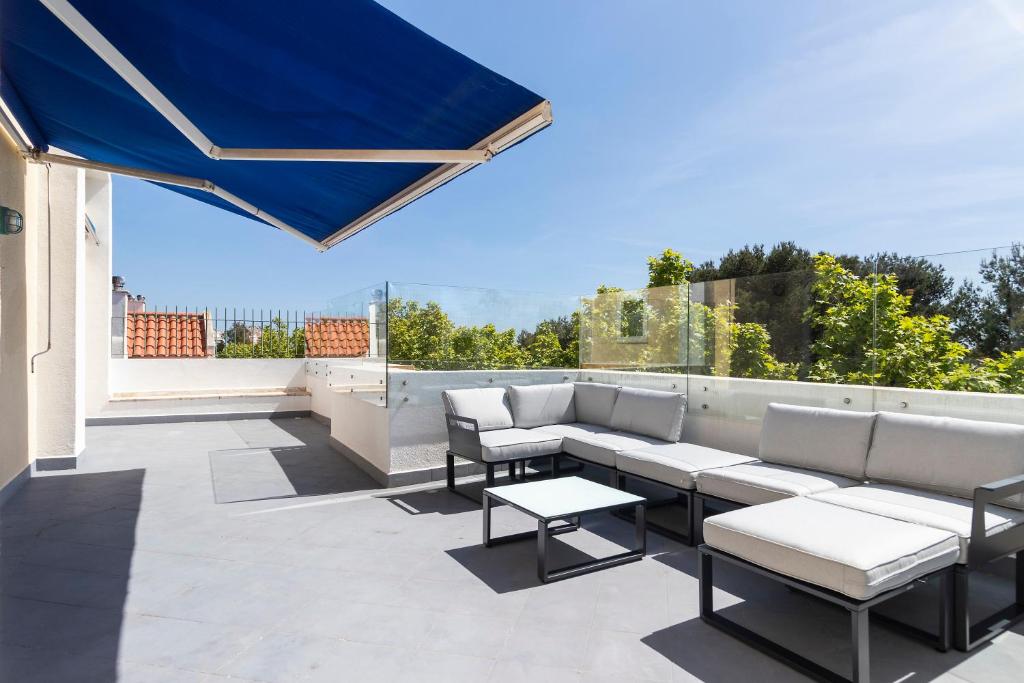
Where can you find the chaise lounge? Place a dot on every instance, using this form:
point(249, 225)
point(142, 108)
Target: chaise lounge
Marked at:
point(938, 487)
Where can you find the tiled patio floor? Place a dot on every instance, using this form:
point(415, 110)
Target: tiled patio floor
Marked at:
point(250, 551)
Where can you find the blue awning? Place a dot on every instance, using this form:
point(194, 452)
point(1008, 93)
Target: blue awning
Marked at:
point(316, 117)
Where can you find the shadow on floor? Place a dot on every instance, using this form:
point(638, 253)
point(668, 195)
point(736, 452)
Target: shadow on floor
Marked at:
point(65, 559)
point(284, 459)
point(819, 630)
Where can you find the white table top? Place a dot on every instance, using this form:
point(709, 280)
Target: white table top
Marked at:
point(562, 497)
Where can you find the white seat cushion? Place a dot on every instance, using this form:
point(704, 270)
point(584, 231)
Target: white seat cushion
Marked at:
point(542, 404)
point(573, 429)
point(600, 448)
point(848, 551)
point(825, 439)
point(648, 412)
point(489, 406)
point(945, 454)
point(676, 464)
point(513, 444)
point(756, 483)
point(936, 510)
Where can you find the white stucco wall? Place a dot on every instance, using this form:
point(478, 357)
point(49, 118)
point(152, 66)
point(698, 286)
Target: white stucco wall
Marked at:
point(147, 375)
point(99, 208)
point(17, 309)
point(362, 426)
point(60, 373)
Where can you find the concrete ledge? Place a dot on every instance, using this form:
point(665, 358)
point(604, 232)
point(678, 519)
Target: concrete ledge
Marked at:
point(207, 393)
point(17, 481)
point(191, 417)
point(407, 478)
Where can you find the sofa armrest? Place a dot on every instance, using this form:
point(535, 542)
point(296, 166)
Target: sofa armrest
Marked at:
point(464, 437)
point(985, 547)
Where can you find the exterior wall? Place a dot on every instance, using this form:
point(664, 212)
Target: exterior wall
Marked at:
point(361, 426)
point(98, 304)
point(147, 375)
point(60, 373)
point(323, 376)
point(17, 339)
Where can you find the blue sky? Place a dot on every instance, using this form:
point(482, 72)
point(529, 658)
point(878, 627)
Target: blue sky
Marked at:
point(845, 126)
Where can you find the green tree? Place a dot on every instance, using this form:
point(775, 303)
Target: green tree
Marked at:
point(751, 356)
point(867, 336)
point(990, 318)
point(480, 348)
point(420, 334)
point(272, 341)
point(668, 268)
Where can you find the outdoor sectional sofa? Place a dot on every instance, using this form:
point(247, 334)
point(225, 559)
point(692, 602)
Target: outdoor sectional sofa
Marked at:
point(629, 432)
point(851, 507)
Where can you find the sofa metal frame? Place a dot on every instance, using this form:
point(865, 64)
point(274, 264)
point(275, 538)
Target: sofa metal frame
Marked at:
point(983, 549)
point(464, 442)
point(858, 610)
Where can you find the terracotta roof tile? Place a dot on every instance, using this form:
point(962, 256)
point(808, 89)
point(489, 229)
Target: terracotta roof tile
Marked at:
point(337, 337)
point(165, 335)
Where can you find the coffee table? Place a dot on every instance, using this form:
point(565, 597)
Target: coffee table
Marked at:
point(565, 499)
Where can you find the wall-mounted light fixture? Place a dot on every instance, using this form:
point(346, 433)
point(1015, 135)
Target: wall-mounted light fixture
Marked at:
point(11, 221)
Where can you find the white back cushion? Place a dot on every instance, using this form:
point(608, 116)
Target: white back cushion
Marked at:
point(488, 406)
point(649, 412)
point(594, 402)
point(945, 454)
point(825, 439)
point(541, 405)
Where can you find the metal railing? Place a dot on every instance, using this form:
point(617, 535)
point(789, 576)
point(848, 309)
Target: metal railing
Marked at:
point(219, 332)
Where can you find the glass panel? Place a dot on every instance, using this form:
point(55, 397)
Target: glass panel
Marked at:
point(454, 337)
point(347, 344)
point(951, 322)
point(638, 330)
point(434, 327)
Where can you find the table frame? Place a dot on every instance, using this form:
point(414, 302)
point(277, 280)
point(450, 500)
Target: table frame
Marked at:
point(571, 522)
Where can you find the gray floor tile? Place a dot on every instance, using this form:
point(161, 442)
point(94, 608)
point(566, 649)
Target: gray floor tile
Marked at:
point(129, 569)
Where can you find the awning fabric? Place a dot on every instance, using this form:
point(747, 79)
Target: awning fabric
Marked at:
point(263, 74)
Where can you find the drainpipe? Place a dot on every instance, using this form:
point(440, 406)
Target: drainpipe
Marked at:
point(49, 277)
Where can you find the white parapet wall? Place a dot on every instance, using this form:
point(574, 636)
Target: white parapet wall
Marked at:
point(184, 375)
point(405, 440)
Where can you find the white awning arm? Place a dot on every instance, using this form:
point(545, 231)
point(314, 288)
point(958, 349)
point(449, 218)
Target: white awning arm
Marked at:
point(178, 181)
point(395, 156)
point(13, 129)
point(519, 128)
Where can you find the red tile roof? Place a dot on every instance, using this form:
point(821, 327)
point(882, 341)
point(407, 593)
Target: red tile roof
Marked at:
point(165, 335)
point(337, 337)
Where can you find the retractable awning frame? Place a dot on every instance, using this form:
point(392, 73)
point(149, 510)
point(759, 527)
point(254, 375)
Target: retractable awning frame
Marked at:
point(453, 162)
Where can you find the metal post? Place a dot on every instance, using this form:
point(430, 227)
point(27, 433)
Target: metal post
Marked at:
point(697, 519)
point(542, 550)
point(487, 520)
point(1019, 576)
point(705, 577)
point(860, 642)
point(961, 613)
point(641, 528)
point(945, 635)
